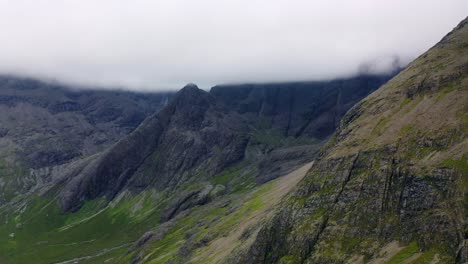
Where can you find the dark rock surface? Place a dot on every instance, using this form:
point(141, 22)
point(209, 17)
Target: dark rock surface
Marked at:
point(311, 109)
point(51, 124)
point(191, 136)
point(45, 125)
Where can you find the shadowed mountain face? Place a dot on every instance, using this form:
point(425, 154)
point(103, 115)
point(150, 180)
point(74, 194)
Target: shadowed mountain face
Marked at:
point(191, 136)
point(44, 125)
point(51, 124)
point(391, 185)
point(201, 133)
point(311, 109)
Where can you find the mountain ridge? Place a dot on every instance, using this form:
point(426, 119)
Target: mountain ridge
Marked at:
point(209, 117)
point(390, 186)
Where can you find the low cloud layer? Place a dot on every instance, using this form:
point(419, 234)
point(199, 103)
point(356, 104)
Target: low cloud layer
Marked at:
point(145, 44)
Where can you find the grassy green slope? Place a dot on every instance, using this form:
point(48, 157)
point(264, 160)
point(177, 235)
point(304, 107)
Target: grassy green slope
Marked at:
point(36, 231)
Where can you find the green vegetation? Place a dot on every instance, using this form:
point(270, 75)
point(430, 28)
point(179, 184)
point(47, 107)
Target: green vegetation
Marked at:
point(381, 124)
point(407, 130)
point(229, 174)
point(289, 260)
point(238, 179)
point(350, 243)
point(425, 257)
point(405, 102)
point(461, 164)
point(3, 168)
point(450, 87)
point(41, 233)
point(271, 138)
point(205, 224)
point(405, 253)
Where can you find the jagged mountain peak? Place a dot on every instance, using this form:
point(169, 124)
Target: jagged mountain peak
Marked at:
point(191, 94)
point(191, 91)
point(164, 151)
point(190, 86)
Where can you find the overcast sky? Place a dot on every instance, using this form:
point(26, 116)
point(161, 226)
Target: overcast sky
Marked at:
point(150, 44)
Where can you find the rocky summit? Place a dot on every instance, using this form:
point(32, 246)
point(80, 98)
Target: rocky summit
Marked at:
point(365, 169)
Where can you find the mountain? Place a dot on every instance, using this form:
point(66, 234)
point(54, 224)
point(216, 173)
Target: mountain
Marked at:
point(311, 109)
point(391, 185)
point(187, 175)
point(44, 125)
point(298, 115)
point(191, 136)
point(202, 133)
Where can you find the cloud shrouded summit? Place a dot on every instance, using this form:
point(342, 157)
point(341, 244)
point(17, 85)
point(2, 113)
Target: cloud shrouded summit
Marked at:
point(165, 44)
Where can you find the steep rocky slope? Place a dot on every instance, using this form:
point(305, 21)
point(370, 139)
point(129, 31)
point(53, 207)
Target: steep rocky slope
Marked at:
point(43, 125)
point(36, 115)
point(311, 109)
point(191, 136)
point(391, 185)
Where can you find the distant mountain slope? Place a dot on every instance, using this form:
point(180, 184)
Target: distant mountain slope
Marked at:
point(391, 185)
point(295, 109)
point(44, 125)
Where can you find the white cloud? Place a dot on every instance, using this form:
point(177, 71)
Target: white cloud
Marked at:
point(154, 44)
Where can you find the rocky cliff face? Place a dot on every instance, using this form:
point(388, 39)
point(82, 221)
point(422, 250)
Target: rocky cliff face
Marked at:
point(311, 109)
point(390, 186)
point(52, 124)
point(44, 125)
